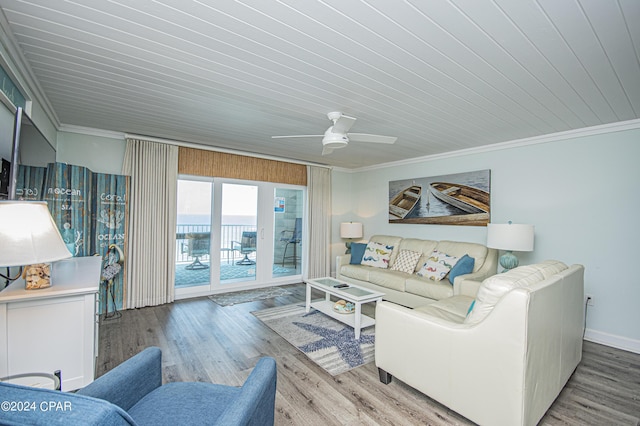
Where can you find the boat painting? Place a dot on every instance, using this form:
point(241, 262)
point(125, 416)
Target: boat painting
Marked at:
point(405, 202)
point(455, 199)
point(466, 198)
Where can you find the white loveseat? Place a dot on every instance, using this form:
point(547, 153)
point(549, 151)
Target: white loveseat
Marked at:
point(505, 362)
point(413, 290)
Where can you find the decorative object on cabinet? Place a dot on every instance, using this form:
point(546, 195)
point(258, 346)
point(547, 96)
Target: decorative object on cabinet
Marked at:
point(32, 238)
point(510, 237)
point(112, 266)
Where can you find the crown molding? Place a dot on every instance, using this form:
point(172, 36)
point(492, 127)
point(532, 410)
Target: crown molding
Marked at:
point(618, 126)
point(70, 128)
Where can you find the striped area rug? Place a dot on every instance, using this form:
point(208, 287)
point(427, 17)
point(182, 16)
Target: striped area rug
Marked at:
point(327, 342)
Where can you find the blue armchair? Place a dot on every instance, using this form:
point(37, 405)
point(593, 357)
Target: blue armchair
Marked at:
point(132, 394)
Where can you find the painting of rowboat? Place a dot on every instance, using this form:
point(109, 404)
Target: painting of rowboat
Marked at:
point(455, 199)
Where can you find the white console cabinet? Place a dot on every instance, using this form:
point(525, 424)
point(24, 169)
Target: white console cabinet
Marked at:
point(55, 328)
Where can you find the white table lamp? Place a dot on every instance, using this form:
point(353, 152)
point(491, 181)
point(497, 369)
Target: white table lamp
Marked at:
point(509, 237)
point(29, 236)
point(350, 230)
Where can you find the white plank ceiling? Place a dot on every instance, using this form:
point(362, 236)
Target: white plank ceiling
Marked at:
point(440, 75)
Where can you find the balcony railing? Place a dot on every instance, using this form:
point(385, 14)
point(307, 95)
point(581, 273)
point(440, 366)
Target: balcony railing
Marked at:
point(229, 240)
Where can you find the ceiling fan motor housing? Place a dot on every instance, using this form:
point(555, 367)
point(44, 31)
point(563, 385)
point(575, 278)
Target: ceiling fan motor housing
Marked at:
point(334, 140)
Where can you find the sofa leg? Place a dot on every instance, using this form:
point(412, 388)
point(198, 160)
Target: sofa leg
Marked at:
point(384, 376)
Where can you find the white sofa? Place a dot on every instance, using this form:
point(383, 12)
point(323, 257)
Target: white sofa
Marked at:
point(410, 289)
point(505, 362)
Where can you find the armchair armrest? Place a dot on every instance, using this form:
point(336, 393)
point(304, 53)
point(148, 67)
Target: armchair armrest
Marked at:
point(130, 381)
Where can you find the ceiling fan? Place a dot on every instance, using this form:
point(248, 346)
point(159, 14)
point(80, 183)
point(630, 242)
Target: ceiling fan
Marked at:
point(336, 136)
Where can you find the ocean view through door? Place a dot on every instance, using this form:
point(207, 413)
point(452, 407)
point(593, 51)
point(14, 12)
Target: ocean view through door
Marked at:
point(246, 217)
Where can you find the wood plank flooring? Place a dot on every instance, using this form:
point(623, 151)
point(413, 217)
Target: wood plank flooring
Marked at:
point(202, 341)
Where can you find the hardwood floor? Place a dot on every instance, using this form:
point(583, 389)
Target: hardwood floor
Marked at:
point(202, 341)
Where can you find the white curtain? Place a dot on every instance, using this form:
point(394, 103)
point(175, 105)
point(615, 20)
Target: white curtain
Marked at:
point(153, 168)
point(319, 192)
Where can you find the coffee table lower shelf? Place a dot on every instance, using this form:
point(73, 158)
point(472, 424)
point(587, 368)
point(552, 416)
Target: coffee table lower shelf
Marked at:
point(326, 307)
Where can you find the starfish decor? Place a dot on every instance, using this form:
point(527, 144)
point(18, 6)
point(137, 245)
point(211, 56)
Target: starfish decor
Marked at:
point(344, 340)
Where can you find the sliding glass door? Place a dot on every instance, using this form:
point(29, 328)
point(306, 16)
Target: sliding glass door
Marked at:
point(258, 236)
point(239, 235)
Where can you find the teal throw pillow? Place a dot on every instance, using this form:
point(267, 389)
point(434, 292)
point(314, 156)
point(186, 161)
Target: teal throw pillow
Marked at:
point(462, 267)
point(471, 307)
point(357, 251)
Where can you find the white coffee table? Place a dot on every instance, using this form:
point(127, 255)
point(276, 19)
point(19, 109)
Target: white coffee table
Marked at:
point(353, 293)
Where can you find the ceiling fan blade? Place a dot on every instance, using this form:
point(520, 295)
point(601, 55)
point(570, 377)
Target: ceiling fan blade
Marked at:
point(326, 150)
point(363, 137)
point(343, 124)
point(296, 136)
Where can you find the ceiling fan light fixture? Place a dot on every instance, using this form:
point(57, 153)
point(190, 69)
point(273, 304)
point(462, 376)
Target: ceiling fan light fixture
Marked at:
point(334, 140)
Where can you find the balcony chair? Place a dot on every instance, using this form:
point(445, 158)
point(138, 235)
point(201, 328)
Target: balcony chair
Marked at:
point(292, 237)
point(132, 394)
point(198, 246)
point(247, 246)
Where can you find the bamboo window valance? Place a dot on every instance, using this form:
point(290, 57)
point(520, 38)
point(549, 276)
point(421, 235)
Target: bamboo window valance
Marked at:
point(200, 162)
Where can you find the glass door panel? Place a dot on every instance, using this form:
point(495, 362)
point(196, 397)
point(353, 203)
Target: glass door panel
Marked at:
point(193, 234)
point(288, 241)
point(238, 233)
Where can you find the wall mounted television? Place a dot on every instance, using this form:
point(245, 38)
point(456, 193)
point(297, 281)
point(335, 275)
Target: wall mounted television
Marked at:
point(29, 147)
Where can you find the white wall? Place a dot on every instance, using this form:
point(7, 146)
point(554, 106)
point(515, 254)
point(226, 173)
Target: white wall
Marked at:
point(99, 154)
point(581, 194)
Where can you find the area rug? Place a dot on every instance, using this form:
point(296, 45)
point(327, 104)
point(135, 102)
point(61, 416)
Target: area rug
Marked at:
point(236, 297)
point(327, 342)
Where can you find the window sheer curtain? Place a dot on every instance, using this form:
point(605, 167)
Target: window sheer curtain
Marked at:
point(319, 193)
point(153, 168)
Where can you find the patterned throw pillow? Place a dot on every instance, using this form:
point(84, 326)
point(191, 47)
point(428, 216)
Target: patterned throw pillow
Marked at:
point(377, 255)
point(406, 261)
point(437, 266)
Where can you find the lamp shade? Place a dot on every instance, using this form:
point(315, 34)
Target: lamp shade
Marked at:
point(350, 230)
point(28, 234)
point(510, 236)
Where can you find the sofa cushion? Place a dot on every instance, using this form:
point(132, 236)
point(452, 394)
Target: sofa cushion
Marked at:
point(426, 247)
point(394, 280)
point(452, 309)
point(459, 249)
point(357, 251)
point(424, 287)
point(462, 267)
point(388, 240)
point(406, 261)
point(493, 288)
point(357, 272)
point(377, 255)
point(437, 266)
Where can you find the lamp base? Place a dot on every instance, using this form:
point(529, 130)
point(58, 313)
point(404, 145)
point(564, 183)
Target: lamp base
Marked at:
point(508, 261)
point(348, 246)
point(37, 276)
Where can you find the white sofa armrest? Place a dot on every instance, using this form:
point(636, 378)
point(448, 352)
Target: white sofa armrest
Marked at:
point(341, 260)
point(473, 369)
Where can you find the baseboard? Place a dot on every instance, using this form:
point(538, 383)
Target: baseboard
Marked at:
point(612, 340)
